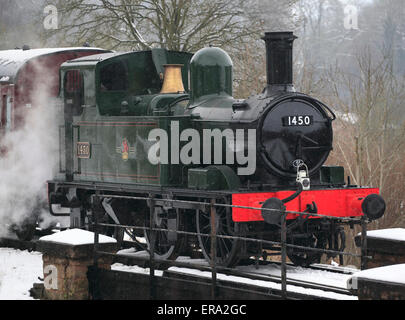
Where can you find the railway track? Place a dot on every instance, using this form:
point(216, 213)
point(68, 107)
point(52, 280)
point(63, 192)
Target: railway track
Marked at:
point(18, 244)
point(13, 242)
point(197, 269)
point(262, 277)
point(296, 290)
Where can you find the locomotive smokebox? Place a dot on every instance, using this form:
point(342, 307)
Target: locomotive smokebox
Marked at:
point(279, 55)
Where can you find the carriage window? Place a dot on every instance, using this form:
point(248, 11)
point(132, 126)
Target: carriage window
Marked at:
point(114, 77)
point(3, 108)
point(73, 81)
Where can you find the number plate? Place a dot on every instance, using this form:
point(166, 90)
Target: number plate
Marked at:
point(83, 150)
point(298, 121)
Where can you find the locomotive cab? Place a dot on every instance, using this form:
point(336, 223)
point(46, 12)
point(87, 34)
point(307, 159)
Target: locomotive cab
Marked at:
point(116, 98)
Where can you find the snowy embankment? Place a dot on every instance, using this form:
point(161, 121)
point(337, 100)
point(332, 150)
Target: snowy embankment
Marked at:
point(19, 270)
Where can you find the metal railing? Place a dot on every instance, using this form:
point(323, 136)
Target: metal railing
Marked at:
point(214, 268)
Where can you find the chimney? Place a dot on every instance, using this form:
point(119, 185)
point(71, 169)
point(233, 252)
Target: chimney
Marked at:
point(279, 55)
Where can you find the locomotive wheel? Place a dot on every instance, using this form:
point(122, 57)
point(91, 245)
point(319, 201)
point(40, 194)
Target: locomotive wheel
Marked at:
point(164, 248)
point(305, 258)
point(228, 250)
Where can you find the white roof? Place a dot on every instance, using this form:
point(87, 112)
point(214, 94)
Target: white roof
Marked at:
point(12, 60)
point(396, 234)
point(392, 274)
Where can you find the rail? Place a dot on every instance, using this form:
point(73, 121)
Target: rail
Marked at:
point(214, 268)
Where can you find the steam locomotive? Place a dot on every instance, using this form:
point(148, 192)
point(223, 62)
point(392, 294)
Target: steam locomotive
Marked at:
point(164, 125)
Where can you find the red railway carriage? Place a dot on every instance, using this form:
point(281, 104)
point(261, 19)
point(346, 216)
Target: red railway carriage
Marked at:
point(30, 78)
point(25, 72)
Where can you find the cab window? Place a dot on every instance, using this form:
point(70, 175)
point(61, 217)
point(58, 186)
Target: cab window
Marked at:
point(114, 77)
point(73, 91)
point(73, 81)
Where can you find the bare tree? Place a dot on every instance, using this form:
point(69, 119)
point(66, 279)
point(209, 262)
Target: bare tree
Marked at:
point(371, 130)
point(250, 69)
point(17, 23)
point(250, 57)
point(185, 25)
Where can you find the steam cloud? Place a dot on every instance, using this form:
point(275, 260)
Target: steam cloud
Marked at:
point(30, 160)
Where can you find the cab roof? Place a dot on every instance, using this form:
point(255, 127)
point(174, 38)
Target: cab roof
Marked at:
point(160, 57)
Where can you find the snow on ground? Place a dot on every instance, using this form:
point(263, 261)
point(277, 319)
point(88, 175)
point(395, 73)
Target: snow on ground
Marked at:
point(19, 270)
point(132, 252)
point(134, 269)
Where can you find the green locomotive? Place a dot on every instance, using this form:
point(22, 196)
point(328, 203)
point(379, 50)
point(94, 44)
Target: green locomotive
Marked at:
point(164, 124)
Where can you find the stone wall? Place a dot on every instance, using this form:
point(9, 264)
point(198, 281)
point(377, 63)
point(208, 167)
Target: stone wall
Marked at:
point(379, 290)
point(71, 277)
point(66, 268)
point(384, 252)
